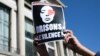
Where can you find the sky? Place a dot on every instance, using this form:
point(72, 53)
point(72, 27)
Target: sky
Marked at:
point(83, 18)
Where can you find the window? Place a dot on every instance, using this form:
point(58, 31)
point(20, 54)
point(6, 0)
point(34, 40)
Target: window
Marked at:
point(51, 52)
point(29, 1)
point(30, 49)
point(4, 27)
point(28, 28)
point(51, 44)
point(51, 48)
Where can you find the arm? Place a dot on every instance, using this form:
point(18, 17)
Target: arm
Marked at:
point(41, 49)
point(75, 45)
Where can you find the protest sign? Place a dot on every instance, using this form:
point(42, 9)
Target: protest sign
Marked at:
point(49, 22)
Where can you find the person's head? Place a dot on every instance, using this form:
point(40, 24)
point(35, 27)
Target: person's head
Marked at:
point(47, 14)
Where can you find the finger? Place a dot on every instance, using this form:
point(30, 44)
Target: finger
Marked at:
point(34, 35)
point(67, 37)
point(68, 31)
point(35, 43)
point(36, 39)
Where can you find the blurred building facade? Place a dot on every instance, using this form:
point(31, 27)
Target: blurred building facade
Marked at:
point(16, 31)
